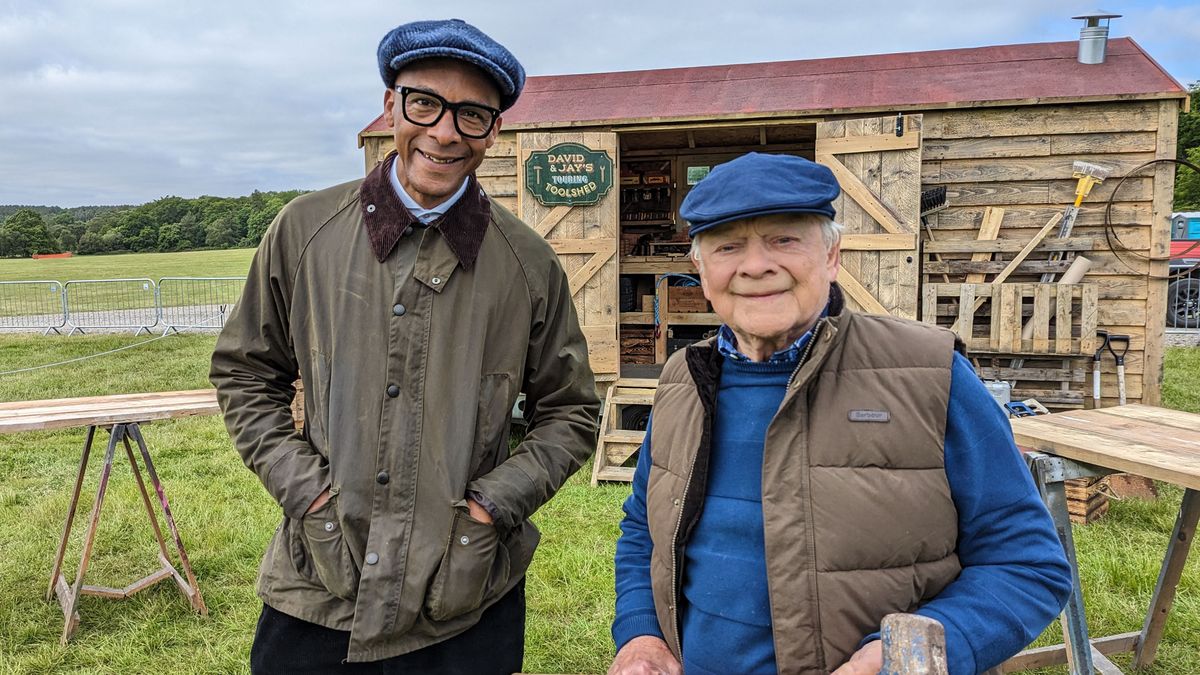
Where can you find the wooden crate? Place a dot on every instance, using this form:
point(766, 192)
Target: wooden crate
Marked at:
point(1017, 318)
point(637, 346)
point(1086, 501)
point(629, 242)
point(686, 299)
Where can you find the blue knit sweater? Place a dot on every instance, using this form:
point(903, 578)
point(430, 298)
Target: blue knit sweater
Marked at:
point(1015, 578)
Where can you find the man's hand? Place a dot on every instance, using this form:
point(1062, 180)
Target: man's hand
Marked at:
point(320, 501)
point(866, 661)
point(645, 655)
point(478, 512)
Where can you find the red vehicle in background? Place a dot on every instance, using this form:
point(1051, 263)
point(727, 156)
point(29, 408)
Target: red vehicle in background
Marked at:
point(1183, 293)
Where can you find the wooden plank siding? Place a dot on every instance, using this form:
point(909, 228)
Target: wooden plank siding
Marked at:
point(1019, 158)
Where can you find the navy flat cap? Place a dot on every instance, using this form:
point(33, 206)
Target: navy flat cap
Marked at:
point(451, 39)
point(757, 184)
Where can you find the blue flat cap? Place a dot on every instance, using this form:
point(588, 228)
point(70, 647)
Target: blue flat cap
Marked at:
point(451, 39)
point(757, 184)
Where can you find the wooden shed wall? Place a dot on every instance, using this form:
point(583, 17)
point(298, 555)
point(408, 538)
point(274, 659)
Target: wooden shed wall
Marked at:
point(1020, 159)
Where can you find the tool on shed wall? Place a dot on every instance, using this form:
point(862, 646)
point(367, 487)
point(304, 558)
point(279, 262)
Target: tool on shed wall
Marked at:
point(1102, 334)
point(932, 201)
point(1089, 175)
point(1122, 340)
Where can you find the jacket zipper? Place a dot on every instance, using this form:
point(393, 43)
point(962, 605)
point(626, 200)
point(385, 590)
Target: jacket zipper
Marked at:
point(675, 565)
point(687, 486)
point(816, 333)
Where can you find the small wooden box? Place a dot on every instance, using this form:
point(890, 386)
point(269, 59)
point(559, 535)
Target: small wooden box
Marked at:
point(686, 299)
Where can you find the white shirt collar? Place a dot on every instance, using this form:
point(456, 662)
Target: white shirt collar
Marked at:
point(419, 212)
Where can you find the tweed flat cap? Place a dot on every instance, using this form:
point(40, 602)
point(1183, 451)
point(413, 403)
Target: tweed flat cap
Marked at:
point(452, 39)
point(757, 184)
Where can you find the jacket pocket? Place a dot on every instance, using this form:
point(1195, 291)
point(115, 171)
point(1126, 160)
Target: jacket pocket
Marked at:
point(474, 567)
point(492, 419)
point(328, 554)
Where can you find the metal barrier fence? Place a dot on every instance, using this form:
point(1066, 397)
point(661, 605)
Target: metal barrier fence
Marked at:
point(33, 304)
point(196, 302)
point(111, 303)
point(174, 304)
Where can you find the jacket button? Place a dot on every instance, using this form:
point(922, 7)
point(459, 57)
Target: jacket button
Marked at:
point(676, 502)
point(372, 558)
point(370, 208)
point(382, 478)
point(393, 391)
point(399, 310)
point(407, 231)
point(435, 281)
point(464, 540)
point(329, 526)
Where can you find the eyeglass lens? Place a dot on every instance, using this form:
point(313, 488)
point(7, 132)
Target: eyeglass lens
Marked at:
point(426, 109)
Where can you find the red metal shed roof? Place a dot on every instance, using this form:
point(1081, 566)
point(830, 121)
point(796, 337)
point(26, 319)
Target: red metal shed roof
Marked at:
point(1029, 73)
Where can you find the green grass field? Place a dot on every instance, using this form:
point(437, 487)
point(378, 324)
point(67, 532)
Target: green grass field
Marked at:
point(230, 263)
point(226, 519)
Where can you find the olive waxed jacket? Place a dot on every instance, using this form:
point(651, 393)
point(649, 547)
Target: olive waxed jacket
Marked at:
point(413, 344)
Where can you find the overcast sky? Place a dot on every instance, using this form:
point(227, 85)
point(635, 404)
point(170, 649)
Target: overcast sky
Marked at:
point(126, 101)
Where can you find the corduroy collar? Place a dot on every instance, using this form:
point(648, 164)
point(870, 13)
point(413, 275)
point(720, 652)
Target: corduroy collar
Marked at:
point(386, 217)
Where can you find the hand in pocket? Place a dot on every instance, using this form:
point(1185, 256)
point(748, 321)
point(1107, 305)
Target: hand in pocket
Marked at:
point(474, 565)
point(328, 551)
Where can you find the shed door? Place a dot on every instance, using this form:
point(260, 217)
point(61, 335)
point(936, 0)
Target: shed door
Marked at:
point(880, 175)
point(585, 239)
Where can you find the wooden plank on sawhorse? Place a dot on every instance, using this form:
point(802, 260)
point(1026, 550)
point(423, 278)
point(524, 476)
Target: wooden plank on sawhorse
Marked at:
point(615, 445)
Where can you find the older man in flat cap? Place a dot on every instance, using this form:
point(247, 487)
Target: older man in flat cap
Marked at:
point(415, 310)
point(811, 469)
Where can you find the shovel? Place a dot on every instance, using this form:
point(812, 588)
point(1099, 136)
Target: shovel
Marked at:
point(1103, 334)
point(1122, 340)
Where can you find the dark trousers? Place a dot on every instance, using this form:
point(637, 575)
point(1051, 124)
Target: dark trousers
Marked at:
point(285, 644)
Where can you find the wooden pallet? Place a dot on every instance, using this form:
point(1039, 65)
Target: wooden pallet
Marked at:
point(615, 446)
point(1026, 319)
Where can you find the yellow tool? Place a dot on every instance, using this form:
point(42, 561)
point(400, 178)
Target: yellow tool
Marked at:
point(1089, 176)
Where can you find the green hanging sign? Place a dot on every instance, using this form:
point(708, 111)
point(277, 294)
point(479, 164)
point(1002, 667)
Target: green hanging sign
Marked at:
point(569, 174)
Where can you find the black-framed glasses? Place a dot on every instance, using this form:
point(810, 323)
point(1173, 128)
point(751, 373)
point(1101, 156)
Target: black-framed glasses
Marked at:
point(425, 109)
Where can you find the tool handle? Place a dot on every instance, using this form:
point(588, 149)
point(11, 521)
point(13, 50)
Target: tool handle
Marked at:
point(1123, 341)
point(913, 645)
point(1096, 382)
point(1121, 382)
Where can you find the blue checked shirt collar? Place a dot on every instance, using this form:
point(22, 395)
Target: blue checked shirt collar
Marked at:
point(727, 345)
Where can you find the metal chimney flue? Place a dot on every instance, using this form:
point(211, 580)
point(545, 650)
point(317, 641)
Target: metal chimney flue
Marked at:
point(1093, 38)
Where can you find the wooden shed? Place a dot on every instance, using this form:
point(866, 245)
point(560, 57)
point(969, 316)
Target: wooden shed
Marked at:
point(997, 127)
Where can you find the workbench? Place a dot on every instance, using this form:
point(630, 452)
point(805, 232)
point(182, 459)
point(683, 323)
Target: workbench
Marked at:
point(1144, 440)
point(123, 416)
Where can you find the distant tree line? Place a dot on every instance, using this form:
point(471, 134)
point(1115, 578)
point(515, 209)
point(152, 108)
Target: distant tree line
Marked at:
point(163, 225)
point(1187, 182)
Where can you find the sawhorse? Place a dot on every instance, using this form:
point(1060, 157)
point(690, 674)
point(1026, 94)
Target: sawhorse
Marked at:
point(68, 595)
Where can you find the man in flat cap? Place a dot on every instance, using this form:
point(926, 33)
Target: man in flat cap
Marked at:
point(415, 310)
point(811, 469)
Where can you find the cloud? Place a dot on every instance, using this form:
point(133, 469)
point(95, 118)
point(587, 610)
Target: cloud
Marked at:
point(124, 101)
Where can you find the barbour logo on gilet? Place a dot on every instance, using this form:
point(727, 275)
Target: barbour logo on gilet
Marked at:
point(870, 416)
